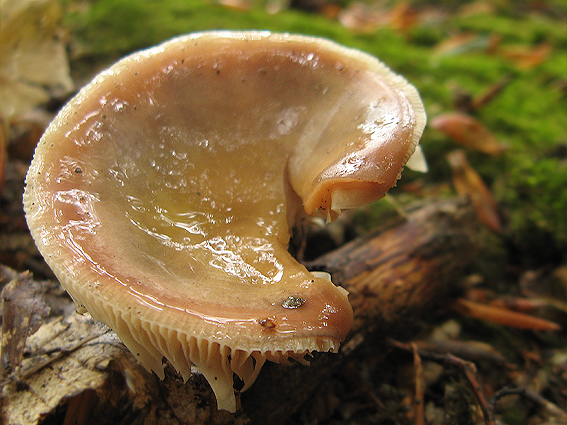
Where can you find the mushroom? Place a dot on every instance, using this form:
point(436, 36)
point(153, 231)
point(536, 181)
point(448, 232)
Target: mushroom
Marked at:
point(163, 194)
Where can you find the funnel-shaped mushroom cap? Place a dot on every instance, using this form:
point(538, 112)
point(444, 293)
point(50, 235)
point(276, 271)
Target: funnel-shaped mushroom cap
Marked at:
point(162, 195)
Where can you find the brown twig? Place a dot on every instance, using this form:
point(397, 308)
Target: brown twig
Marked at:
point(469, 370)
point(503, 392)
point(534, 397)
point(419, 400)
point(487, 406)
point(550, 407)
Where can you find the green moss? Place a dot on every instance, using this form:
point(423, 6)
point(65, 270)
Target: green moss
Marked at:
point(529, 116)
point(116, 27)
point(533, 194)
point(529, 180)
point(531, 29)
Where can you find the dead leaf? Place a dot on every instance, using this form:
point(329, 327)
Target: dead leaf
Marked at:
point(79, 366)
point(489, 94)
point(460, 43)
point(33, 60)
point(331, 10)
point(466, 103)
point(403, 17)
point(494, 44)
point(360, 18)
point(503, 316)
point(366, 18)
point(469, 350)
point(527, 57)
point(22, 312)
point(510, 302)
point(468, 132)
point(524, 305)
point(467, 182)
point(477, 8)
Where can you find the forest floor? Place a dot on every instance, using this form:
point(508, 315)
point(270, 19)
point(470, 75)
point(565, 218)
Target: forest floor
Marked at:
point(494, 82)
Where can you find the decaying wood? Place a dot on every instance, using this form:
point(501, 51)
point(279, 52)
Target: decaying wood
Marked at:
point(394, 275)
point(76, 371)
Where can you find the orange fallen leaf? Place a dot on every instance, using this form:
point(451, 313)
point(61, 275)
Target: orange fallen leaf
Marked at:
point(494, 44)
point(510, 302)
point(459, 43)
point(467, 182)
point(527, 57)
point(503, 316)
point(476, 8)
point(467, 131)
point(330, 10)
point(525, 305)
point(467, 103)
point(479, 295)
point(489, 95)
point(403, 17)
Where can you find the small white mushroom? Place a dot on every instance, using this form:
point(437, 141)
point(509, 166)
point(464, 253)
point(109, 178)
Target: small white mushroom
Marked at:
point(163, 194)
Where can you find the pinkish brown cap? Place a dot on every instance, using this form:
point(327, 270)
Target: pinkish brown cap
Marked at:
point(163, 194)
